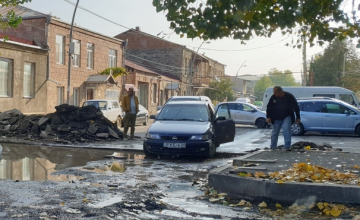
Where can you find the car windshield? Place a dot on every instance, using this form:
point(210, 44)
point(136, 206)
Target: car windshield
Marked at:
point(98, 104)
point(184, 113)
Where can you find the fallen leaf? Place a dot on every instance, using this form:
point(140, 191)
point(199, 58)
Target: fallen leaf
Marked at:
point(335, 212)
point(62, 204)
point(277, 205)
point(262, 205)
point(307, 148)
point(85, 200)
point(280, 182)
point(214, 199)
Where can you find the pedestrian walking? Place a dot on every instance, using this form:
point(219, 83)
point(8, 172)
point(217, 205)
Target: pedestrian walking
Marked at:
point(280, 113)
point(130, 105)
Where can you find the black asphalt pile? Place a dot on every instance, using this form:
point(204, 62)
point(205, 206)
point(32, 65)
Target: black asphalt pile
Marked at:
point(304, 145)
point(68, 125)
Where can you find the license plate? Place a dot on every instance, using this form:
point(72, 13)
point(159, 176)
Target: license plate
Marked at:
point(175, 145)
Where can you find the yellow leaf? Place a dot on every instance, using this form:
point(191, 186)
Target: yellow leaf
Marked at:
point(308, 160)
point(85, 200)
point(181, 35)
point(320, 205)
point(335, 212)
point(277, 9)
point(62, 204)
point(241, 203)
point(326, 204)
point(262, 205)
point(280, 182)
point(307, 148)
point(277, 205)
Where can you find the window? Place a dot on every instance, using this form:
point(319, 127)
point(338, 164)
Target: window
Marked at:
point(60, 49)
point(76, 93)
point(154, 93)
point(115, 105)
point(90, 56)
point(112, 58)
point(334, 108)
point(76, 57)
point(89, 94)
point(5, 77)
point(324, 95)
point(248, 108)
point(347, 98)
point(60, 95)
point(29, 76)
point(311, 107)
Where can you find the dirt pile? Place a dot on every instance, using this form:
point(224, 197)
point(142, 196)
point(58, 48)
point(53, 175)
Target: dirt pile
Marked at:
point(68, 125)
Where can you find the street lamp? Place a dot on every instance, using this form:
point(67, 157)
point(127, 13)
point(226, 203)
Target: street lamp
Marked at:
point(242, 65)
point(193, 62)
point(69, 64)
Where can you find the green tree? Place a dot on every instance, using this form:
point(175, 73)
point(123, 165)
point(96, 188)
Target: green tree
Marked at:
point(261, 86)
point(116, 71)
point(10, 19)
point(220, 90)
point(327, 68)
point(280, 78)
point(242, 19)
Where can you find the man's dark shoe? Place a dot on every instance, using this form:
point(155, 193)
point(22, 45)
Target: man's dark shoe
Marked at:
point(288, 149)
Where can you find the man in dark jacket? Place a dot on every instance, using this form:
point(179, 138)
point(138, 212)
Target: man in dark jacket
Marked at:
point(280, 113)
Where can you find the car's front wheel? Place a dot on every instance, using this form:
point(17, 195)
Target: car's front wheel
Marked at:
point(146, 151)
point(211, 151)
point(358, 130)
point(260, 123)
point(297, 129)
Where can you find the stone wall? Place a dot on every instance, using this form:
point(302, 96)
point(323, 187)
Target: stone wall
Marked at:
point(19, 55)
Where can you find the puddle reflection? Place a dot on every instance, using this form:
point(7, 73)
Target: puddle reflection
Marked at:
point(28, 162)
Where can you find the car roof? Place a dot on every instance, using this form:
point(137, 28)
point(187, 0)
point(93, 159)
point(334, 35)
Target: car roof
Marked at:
point(104, 100)
point(186, 97)
point(188, 103)
point(246, 103)
point(329, 100)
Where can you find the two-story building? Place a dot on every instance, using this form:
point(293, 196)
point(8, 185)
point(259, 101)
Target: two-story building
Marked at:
point(195, 71)
point(48, 33)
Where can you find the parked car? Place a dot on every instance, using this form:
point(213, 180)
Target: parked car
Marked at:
point(142, 116)
point(189, 128)
point(246, 113)
point(327, 115)
point(187, 98)
point(246, 100)
point(110, 108)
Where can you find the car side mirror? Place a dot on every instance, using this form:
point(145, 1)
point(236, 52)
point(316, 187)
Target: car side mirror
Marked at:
point(159, 108)
point(152, 116)
point(347, 112)
point(220, 118)
point(109, 108)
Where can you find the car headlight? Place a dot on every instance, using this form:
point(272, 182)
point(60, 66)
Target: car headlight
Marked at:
point(152, 136)
point(203, 137)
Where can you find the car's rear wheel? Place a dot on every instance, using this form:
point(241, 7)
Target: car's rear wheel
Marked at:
point(119, 123)
point(146, 120)
point(297, 129)
point(212, 150)
point(260, 123)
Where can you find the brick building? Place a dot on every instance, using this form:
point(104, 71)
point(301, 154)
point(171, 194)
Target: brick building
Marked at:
point(153, 89)
point(171, 59)
point(97, 52)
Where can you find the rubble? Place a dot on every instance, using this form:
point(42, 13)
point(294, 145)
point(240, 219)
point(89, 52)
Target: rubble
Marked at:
point(69, 124)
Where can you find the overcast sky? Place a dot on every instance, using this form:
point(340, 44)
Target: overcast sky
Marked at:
point(261, 54)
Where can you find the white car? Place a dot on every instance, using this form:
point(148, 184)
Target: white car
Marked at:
point(186, 98)
point(110, 108)
point(246, 113)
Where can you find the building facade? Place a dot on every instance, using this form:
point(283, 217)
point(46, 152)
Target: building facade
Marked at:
point(194, 71)
point(96, 52)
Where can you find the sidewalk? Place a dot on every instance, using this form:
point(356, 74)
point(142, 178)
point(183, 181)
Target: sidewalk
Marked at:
point(228, 180)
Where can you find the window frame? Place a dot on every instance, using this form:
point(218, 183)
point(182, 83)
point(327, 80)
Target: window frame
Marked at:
point(91, 57)
point(31, 92)
point(62, 52)
point(9, 79)
point(76, 96)
point(154, 93)
point(112, 58)
point(60, 95)
point(76, 57)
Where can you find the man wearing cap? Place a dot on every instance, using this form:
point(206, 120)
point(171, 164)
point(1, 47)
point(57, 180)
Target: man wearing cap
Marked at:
point(130, 104)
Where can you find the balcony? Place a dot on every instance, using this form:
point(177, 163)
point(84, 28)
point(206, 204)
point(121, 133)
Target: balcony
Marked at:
point(201, 81)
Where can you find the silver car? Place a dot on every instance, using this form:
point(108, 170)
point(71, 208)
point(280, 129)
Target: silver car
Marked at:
point(142, 116)
point(327, 115)
point(246, 113)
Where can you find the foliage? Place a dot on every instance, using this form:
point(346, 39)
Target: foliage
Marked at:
point(116, 71)
point(285, 78)
point(261, 86)
point(328, 67)
point(213, 19)
point(220, 90)
point(10, 19)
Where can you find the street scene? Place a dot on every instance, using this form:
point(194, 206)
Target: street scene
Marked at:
point(173, 109)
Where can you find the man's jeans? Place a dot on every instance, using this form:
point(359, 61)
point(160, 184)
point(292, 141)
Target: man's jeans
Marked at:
point(286, 125)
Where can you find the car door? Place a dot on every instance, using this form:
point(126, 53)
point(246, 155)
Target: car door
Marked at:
point(248, 114)
point(224, 129)
point(113, 109)
point(140, 117)
point(234, 112)
point(337, 118)
point(311, 116)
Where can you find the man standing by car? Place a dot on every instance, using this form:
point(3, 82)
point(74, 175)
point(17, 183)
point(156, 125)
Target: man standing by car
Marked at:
point(130, 105)
point(280, 112)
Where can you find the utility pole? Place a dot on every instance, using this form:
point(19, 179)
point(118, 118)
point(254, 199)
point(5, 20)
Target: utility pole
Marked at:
point(304, 62)
point(71, 50)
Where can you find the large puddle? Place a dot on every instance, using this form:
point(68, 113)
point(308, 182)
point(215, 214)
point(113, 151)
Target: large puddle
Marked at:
point(28, 162)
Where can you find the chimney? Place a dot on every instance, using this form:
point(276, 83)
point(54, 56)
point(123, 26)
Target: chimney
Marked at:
point(137, 28)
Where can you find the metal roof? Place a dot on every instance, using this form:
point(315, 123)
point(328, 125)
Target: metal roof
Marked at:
point(138, 67)
point(22, 11)
point(100, 79)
